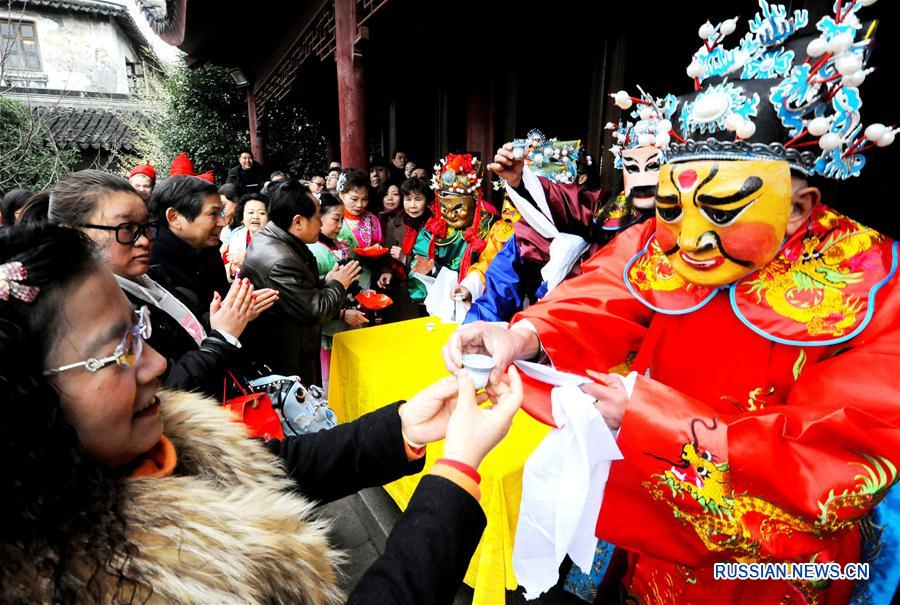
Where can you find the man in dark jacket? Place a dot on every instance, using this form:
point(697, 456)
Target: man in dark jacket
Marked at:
point(397, 168)
point(248, 173)
point(288, 337)
point(186, 250)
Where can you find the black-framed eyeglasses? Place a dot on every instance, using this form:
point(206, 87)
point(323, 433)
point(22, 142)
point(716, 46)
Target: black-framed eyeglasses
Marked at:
point(128, 233)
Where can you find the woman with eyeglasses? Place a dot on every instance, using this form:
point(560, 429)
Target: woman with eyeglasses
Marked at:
point(109, 211)
point(117, 492)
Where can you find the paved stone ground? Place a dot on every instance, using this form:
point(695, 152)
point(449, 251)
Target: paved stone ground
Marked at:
point(361, 524)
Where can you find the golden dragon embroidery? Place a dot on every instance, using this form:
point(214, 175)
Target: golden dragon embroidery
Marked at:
point(653, 272)
point(806, 285)
point(722, 521)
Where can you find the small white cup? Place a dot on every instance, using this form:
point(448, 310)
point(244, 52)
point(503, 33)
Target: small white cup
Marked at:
point(479, 367)
point(519, 148)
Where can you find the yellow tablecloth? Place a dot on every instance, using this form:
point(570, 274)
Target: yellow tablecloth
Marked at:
point(373, 367)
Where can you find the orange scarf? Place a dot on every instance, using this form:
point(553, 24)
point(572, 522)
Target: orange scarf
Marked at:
point(159, 461)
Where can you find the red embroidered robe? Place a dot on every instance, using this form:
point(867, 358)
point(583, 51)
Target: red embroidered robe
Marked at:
point(765, 423)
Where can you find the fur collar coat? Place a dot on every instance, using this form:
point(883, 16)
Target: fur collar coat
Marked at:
point(225, 528)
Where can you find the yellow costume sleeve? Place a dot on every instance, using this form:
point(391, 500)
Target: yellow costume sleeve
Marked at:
point(500, 233)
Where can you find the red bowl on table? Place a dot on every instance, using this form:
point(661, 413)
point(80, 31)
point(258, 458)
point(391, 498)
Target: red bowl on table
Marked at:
point(373, 300)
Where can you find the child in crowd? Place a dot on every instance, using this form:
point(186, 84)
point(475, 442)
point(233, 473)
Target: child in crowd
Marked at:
point(361, 228)
point(400, 235)
point(330, 251)
point(251, 215)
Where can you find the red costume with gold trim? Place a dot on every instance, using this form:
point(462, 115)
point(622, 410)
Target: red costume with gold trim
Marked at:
point(764, 424)
point(763, 329)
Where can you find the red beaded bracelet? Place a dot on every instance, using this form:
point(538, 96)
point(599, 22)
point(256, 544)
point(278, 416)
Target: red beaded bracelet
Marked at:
point(461, 467)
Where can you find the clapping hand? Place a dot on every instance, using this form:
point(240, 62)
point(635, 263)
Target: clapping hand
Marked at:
point(232, 314)
point(262, 301)
point(345, 274)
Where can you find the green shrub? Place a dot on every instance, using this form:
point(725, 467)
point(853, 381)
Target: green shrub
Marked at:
point(28, 156)
point(206, 117)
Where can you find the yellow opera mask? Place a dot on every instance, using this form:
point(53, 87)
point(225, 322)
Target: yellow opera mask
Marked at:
point(457, 210)
point(509, 212)
point(718, 221)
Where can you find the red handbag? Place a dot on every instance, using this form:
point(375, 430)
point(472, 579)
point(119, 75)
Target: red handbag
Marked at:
point(255, 410)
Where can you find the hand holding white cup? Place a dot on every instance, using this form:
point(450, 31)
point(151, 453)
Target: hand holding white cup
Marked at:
point(479, 368)
point(519, 148)
point(473, 430)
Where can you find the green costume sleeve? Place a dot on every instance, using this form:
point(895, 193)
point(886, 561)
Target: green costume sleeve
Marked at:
point(346, 235)
point(325, 260)
point(420, 248)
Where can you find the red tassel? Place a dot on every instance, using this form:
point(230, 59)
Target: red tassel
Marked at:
point(465, 264)
point(471, 234)
point(476, 245)
point(796, 138)
point(436, 224)
point(676, 136)
point(409, 239)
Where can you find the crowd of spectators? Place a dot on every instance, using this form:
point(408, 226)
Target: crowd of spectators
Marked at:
point(115, 287)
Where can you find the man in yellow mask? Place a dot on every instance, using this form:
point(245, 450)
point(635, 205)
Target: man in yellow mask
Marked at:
point(719, 220)
point(758, 328)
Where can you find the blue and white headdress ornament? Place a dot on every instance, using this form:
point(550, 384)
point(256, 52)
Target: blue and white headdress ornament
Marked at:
point(652, 126)
point(778, 96)
point(551, 158)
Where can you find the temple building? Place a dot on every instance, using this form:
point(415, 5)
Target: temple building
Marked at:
point(428, 78)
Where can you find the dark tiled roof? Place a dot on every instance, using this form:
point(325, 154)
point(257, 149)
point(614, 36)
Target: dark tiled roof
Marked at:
point(100, 7)
point(85, 128)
